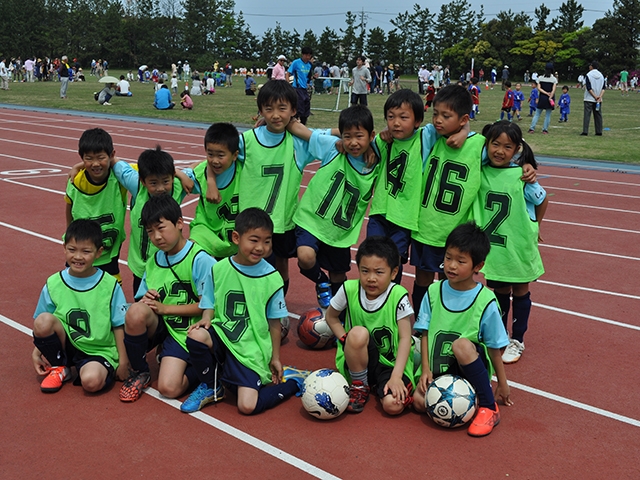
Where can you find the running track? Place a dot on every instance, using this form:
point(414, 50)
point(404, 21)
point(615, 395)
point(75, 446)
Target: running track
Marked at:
point(576, 390)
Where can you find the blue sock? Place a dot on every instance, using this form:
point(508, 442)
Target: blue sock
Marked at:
point(269, 397)
point(521, 311)
point(51, 348)
point(202, 360)
point(136, 346)
point(478, 376)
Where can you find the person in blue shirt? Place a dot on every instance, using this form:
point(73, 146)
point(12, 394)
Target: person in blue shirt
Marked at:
point(300, 69)
point(565, 104)
point(163, 99)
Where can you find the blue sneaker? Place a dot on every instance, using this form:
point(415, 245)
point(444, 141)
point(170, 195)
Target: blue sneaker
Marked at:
point(299, 376)
point(202, 396)
point(323, 291)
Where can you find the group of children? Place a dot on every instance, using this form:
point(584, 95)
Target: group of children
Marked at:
point(216, 324)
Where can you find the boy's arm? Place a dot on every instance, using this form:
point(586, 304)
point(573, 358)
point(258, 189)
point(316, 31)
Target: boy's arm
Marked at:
point(395, 385)
point(331, 316)
point(68, 214)
point(427, 375)
point(540, 212)
point(299, 130)
point(205, 321)
point(152, 300)
point(457, 139)
point(275, 331)
point(187, 183)
point(40, 363)
point(122, 371)
point(213, 194)
point(503, 392)
point(75, 170)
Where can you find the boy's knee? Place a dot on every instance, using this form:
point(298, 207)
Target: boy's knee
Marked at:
point(137, 315)
point(92, 383)
point(246, 406)
point(419, 402)
point(464, 351)
point(43, 325)
point(358, 336)
point(390, 406)
point(170, 389)
point(199, 335)
point(306, 257)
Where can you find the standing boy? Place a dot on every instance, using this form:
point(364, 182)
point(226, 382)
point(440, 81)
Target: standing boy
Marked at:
point(300, 69)
point(330, 214)
point(217, 210)
point(375, 345)
point(507, 101)
point(238, 341)
point(518, 98)
point(95, 194)
point(462, 330)
point(474, 90)
point(533, 99)
point(360, 80)
point(79, 318)
point(565, 104)
point(171, 298)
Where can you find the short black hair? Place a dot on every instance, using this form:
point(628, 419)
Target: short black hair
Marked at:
point(306, 51)
point(95, 140)
point(411, 98)
point(253, 218)
point(456, 97)
point(379, 246)
point(155, 161)
point(565, 87)
point(471, 239)
point(356, 116)
point(507, 83)
point(274, 91)
point(224, 134)
point(84, 229)
point(159, 207)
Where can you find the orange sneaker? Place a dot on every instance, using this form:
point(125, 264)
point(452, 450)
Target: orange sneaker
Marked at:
point(134, 385)
point(484, 422)
point(54, 380)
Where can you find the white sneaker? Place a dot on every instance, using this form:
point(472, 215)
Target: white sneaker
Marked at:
point(513, 352)
point(106, 103)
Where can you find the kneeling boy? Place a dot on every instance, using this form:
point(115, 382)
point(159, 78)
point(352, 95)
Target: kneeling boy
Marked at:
point(375, 344)
point(462, 329)
point(241, 345)
point(79, 318)
point(171, 299)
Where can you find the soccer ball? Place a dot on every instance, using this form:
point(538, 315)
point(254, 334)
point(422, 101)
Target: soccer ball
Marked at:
point(284, 331)
point(314, 331)
point(451, 401)
point(325, 394)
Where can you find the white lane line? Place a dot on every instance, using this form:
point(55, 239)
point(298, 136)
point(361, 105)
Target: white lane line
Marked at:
point(612, 182)
point(587, 289)
point(590, 252)
point(585, 225)
point(590, 192)
point(586, 316)
point(593, 207)
point(219, 425)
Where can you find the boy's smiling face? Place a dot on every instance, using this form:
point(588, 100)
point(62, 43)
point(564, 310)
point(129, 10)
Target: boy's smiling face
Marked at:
point(253, 246)
point(356, 140)
point(158, 184)
point(375, 275)
point(80, 255)
point(277, 115)
point(97, 165)
point(220, 157)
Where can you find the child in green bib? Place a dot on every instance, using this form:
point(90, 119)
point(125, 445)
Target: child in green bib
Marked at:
point(375, 344)
point(331, 211)
point(461, 328)
point(237, 343)
point(79, 318)
point(94, 193)
point(510, 212)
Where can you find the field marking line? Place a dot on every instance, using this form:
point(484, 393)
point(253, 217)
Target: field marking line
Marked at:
point(586, 316)
point(590, 192)
point(597, 227)
point(588, 289)
point(612, 182)
point(218, 424)
point(590, 252)
point(593, 207)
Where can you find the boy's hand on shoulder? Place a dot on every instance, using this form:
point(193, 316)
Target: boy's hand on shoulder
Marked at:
point(528, 174)
point(385, 135)
point(504, 392)
point(39, 362)
point(370, 157)
point(457, 140)
point(213, 196)
point(397, 388)
point(75, 170)
point(425, 380)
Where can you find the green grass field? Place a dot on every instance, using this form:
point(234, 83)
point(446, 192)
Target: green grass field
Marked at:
point(619, 143)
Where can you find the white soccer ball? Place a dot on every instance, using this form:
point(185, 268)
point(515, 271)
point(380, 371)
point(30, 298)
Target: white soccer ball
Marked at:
point(451, 401)
point(325, 394)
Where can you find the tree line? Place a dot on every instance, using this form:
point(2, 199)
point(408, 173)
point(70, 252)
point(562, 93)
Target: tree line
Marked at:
point(158, 32)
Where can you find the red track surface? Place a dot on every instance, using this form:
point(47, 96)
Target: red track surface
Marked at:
point(572, 354)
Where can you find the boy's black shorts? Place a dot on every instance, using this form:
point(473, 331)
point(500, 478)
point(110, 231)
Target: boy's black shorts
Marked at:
point(332, 259)
point(426, 257)
point(79, 359)
point(379, 225)
point(230, 370)
point(379, 374)
point(284, 244)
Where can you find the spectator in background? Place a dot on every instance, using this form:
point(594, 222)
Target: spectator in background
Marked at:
point(594, 83)
point(122, 89)
point(63, 70)
point(4, 74)
point(279, 72)
point(163, 99)
point(29, 64)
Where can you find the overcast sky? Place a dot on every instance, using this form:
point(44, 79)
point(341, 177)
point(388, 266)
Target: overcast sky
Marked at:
point(315, 15)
